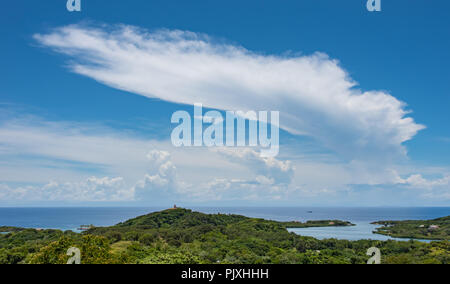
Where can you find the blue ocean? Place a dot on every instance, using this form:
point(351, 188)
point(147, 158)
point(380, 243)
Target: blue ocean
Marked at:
point(72, 218)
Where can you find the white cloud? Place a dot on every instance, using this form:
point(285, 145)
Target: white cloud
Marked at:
point(418, 181)
point(96, 163)
point(158, 157)
point(70, 151)
point(162, 184)
point(269, 178)
point(49, 147)
point(280, 171)
point(314, 95)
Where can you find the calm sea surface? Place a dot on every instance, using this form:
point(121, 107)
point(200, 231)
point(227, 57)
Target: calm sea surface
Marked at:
point(72, 218)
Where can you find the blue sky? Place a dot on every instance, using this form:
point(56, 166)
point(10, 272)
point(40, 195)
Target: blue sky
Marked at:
point(69, 137)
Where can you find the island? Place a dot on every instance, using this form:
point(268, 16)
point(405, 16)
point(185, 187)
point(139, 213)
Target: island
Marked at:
point(437, 229)
point(182, 236)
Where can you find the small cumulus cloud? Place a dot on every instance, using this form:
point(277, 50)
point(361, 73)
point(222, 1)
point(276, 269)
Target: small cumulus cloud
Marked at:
point(418, 181)
point(162, 183)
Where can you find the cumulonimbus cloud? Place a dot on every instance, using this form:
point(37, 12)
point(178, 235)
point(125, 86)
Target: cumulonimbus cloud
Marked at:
point(313, 93)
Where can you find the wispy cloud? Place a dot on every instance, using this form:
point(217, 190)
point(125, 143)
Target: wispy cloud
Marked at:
point(113, 165)
point(91, 189)
point(314, 94)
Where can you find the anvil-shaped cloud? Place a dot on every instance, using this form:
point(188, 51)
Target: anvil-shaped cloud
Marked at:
point(314, 94)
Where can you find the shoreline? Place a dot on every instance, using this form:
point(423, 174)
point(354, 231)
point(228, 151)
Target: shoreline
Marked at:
point(69, 219)
point(158, 237)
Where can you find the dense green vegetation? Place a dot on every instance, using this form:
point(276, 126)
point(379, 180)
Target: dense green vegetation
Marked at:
point(6, 229)
point(185, 237)
point(20, 243)
point(438, 229)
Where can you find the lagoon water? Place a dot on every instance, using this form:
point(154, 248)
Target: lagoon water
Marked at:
point(72, 218)
point(362, 231)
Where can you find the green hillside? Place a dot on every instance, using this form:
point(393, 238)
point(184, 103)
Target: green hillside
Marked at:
point(181, 236)
point(180, 218)
point(437, 229)
point(185, 218)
